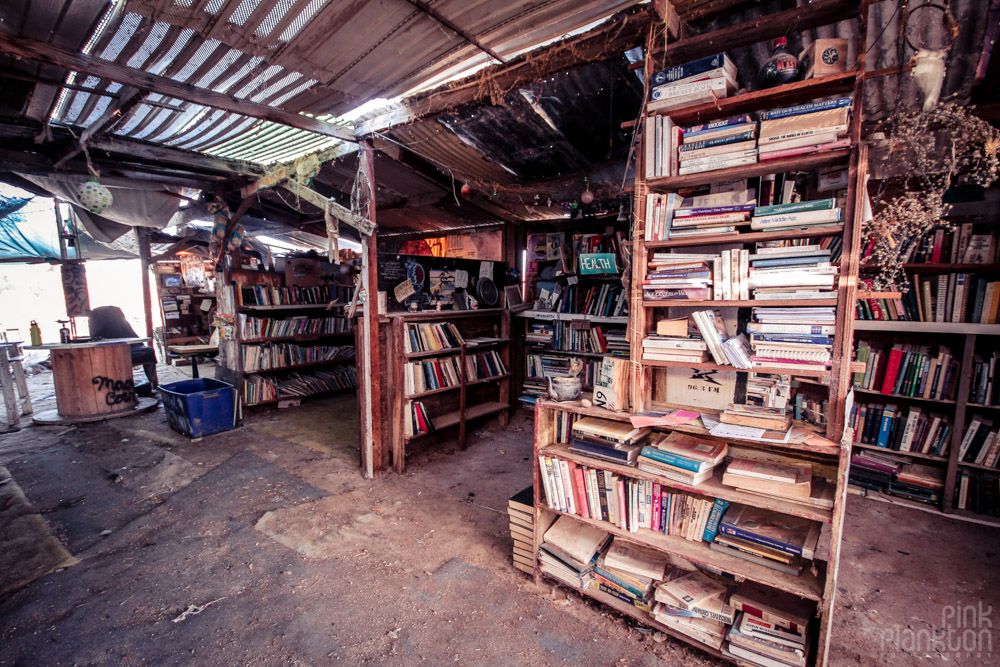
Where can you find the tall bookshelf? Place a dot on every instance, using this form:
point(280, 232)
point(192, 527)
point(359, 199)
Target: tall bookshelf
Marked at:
point(591, 316)
point(185, 310)
point(294, 336)
point(884, 323)
point(450, 407)
point(821, 446)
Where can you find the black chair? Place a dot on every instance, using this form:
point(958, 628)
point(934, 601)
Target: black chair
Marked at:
point(110, 322)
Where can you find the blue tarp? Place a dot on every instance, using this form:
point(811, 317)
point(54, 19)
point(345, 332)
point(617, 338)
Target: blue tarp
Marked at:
point(28, 234)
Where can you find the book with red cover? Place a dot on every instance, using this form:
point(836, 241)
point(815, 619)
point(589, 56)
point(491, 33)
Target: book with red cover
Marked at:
point(892, 369)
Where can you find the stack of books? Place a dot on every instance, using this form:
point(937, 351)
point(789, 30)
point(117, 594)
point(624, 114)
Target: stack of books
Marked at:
point(540, 367)
point(704, 80)
point(769, 390)
point(912, 429)
point(873, 470)
point(628, 571)
point(801, 272)
point(674, 348)
point(778, 541)
point(796, 339)
point(772, 628)
point(782, 480)
point(804, 128)
point(569, 551)
point(541, 334)
point(681, 457)
point(763, 643)
point(919, 482)
point(756, 416)
point(718, 145)
point(521, 511)
point(615, 441)
point(695, 605)
point(678, 276)
point(907, 369)
point(797, 215)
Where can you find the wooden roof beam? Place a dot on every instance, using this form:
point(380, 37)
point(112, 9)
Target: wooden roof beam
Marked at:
point(607, 40)
point(427, 10)
point(36, 51)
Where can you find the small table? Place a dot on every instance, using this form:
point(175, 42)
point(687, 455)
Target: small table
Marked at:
point(93, 381)
point(193, 352)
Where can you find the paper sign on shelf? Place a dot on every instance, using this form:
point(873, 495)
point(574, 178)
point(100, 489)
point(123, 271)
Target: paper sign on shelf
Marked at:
point(461, 279)
point(403, 290)
point(486, 270)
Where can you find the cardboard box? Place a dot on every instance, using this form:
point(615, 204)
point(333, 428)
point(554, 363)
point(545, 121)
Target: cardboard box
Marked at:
point(823, 57)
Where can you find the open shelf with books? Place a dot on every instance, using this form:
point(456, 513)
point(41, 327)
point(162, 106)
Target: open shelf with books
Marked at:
point(439, 360)
point(288, 340)
point(744, 279)
point(682, 529)
point(581, 303)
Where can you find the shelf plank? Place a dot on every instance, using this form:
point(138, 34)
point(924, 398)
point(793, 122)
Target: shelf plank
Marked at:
point(807, 585)
point(569, 317)
point(886, 450)
point(977, 466)
point(748, 237)
point(981, 406)
point(796, 163)
point(718, 367)
point(302, 338)
point(450, 419)
point(345, 360)
point(897, 397)
point(928, 327)
point(469, 348)
point(742, 303)
point(941, 268)
point(300, 306)
point(712, 487)
point(441, 390)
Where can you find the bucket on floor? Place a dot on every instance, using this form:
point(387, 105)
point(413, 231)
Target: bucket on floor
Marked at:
point(199, 407)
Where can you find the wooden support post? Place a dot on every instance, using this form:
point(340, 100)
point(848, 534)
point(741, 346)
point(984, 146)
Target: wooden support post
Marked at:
point(7, 387)
point(959, 426)
point(142, 238)
point(371, 413)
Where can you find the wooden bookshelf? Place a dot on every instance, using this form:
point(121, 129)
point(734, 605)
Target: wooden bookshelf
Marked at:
point(798, 163)
point(484, 330)
point(959, 328)
point(743, 303)
point(916, 455)
point(746, 237)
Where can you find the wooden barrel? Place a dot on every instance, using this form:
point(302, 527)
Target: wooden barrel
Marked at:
point(93, 380)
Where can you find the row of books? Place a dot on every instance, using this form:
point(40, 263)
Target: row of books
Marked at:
point(266, 388)
point(946, 297)
point(980, 444)
point(418, 420)
point(431, 337)
point(762, 625)
point(552, 249)
point(978, 491)
point(671, 216)
point(771, 274)
point(564, 336)
point(421, 376)
point(605, 300)
point(911, 429)
point(897, 476)
point(907, 369)
point(265, 295)
point(272, 356)
point(965, 243)
point(672, 150)
point(265, 327)
point(704, 337)
point(985, 386)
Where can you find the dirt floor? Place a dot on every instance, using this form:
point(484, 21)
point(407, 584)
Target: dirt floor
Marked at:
point(280, 553)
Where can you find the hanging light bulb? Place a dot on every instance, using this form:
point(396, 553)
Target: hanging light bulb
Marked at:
point(587, 197)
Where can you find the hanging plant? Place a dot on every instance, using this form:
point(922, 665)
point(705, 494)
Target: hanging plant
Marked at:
point(936, 149)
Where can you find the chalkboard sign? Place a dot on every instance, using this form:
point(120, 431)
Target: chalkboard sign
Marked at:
point(447, 282)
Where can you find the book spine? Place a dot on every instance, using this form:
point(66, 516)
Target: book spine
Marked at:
point(805, 108)
point(712, 527)
point(736, 531)
point(721, 141)
point(672, 459)
point(670, 92)
point(716, 124)
point(699, 66)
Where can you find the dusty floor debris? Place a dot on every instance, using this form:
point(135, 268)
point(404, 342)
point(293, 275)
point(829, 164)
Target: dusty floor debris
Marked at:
point(305, 562)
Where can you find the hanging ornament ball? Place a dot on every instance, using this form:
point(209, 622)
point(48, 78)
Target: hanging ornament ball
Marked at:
point(93, 196)
point(466, 188)
point(587, 197)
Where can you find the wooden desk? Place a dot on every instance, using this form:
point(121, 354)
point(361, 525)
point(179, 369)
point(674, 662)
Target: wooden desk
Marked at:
point(93, 380)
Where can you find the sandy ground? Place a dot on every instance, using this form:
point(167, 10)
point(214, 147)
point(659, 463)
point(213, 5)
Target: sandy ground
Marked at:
point(300, 561)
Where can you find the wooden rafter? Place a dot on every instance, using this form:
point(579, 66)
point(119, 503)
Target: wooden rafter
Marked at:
point(37, 51)
point(436, 17)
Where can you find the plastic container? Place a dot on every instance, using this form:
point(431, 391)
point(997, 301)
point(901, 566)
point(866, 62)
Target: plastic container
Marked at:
point(199, 407)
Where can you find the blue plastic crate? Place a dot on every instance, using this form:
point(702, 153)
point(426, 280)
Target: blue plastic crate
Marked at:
point(199, 407)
